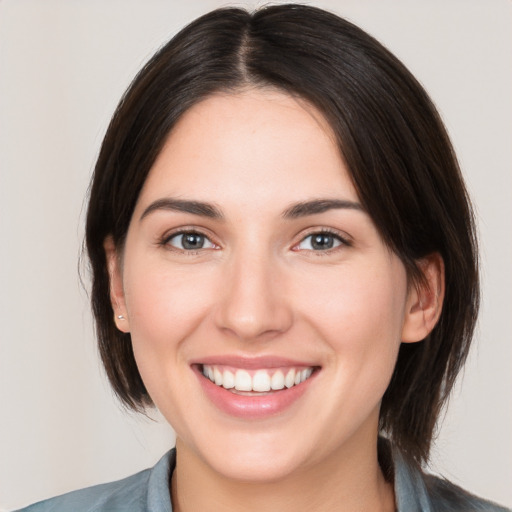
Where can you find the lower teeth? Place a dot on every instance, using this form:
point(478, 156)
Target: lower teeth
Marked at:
point(251, 393)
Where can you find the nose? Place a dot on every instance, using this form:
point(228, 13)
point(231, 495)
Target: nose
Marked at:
point(253, 302)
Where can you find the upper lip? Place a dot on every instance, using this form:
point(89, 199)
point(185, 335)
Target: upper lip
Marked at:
point(251, 362)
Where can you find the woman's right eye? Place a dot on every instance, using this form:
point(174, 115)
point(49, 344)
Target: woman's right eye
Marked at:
point(190, 241)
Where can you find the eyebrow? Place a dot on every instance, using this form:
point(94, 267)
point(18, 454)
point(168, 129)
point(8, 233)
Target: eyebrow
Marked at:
point(180, 205)
point(319, 206)
point(203, 209)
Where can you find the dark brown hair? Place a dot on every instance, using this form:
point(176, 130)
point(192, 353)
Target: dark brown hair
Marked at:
point(393, 142)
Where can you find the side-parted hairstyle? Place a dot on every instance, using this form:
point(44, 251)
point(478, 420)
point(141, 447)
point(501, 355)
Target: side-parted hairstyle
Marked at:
point(390, 136)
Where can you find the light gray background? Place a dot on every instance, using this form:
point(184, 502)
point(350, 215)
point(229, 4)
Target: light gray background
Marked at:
point(63, 66)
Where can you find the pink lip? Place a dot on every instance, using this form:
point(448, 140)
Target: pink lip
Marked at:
point(252, 407)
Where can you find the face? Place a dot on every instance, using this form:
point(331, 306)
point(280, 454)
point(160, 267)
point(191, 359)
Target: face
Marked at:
point(265, 310)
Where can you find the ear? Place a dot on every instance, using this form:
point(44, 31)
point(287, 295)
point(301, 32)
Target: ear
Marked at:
point(425, 300)
point(116, 285)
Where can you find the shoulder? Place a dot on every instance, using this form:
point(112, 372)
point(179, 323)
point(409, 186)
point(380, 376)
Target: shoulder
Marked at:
point(125, 494)
point(445, 495)
point(417, 491)
point(146, 490)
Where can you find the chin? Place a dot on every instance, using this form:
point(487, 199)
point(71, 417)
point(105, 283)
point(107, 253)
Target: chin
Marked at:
point(257, 468)
point(252, 457)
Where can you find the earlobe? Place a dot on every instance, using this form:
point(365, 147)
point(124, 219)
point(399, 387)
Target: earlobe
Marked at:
point(425, 300)
point(116, 285)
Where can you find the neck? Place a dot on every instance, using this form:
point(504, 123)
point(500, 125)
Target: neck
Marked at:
point(350, 481)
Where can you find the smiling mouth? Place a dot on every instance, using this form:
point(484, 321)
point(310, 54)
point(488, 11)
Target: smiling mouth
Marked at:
point(256, 382)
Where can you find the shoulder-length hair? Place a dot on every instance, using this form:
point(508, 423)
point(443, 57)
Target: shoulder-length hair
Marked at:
point(390, 136)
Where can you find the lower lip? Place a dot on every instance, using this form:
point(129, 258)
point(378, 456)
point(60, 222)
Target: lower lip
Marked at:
point(254, 406)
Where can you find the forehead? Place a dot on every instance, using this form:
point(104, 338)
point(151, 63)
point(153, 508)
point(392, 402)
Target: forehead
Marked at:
point(256, 144)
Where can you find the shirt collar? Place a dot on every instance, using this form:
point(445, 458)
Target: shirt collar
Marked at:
point(410, 491)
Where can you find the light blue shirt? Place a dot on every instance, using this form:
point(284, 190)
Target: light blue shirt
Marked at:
point(148, 491)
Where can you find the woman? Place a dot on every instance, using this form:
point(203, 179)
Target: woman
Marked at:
point(284, 263)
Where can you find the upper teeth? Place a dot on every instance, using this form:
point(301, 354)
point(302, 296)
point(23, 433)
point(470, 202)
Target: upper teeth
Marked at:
point(260, 380)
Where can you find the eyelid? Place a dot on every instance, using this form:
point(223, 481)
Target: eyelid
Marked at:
point(345, 239)
point(184, 230)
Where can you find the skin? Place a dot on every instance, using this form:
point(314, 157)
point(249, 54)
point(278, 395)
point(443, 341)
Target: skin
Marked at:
point(259, 288)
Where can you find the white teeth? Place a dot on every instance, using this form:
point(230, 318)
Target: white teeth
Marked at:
point(289, 380)
point(228, 380)
point(305, 374)
point(243, 381)
point(277, 381)
point(217, 376)
point(261, 381)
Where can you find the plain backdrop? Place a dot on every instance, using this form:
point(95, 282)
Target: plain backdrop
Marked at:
point(63, 66)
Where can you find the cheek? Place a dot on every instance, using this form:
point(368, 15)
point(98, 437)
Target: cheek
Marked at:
point(360, 315)
point(161, 302)
point(165, 308)
point(358, 297)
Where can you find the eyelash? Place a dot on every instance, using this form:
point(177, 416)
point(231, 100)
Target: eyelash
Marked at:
point(343, 242)
point(166, 239)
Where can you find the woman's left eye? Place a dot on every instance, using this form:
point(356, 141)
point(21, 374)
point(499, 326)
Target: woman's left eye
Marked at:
point(320, 242)
point(190, 241)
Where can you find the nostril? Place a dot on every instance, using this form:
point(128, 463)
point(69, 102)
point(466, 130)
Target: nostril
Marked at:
point(254, 322)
